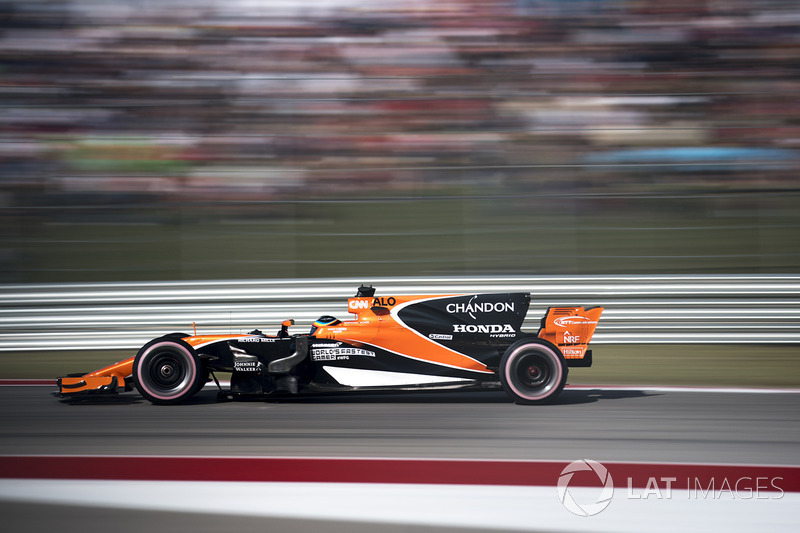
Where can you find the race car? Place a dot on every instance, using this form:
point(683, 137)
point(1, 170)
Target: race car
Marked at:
point(422, 342)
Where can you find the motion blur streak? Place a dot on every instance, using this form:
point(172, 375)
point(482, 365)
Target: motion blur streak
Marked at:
point(205, 139)
point(639, 309)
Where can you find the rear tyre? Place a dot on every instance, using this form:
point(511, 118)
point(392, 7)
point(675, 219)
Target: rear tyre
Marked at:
point(533, 371)
point(167, 371)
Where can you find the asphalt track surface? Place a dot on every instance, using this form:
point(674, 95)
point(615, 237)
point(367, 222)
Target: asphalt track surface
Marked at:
point(599, 424)
point(682, 426)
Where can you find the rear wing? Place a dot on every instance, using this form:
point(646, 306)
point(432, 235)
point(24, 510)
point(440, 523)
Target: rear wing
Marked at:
point(571, 329)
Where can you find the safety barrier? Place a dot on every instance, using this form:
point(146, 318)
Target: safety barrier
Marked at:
point(639, 309)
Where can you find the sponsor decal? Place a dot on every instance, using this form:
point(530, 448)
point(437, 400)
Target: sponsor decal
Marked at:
point(572, 351)
point(246, 363)
point(356, 304)
point(258, 339)
point(571, 339)
point(384, 302)
point(337, 354)
point(574, 320)
point(359, 303)
point(473, 307)
point(324, 357)
point(440, 337)
point(495, 329)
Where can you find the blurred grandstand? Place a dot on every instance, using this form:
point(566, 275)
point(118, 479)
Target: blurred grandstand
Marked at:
point(186, 139)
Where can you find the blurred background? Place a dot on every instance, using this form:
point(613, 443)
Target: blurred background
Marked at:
point(227, 139)
point(282, 148)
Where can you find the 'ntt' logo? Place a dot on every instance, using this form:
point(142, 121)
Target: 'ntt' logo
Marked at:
point(574, 320)
point(587, 509)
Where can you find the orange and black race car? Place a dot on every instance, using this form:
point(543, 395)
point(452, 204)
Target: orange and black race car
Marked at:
point(394, 343)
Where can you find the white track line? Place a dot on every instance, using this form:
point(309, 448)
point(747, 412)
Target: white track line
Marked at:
point(675, 388)
point(481, 507)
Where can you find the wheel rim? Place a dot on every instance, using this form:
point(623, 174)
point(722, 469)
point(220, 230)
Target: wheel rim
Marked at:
point(532, 371)
point(166, 372)
point(533, 374)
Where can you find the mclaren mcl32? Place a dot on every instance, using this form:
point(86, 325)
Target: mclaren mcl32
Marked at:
point(394, 343)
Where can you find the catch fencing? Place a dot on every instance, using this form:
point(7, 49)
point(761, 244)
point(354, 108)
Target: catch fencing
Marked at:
point(660, 309)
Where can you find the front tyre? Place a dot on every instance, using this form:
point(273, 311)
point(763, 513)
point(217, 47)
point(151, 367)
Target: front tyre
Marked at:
point(167, 371)
point(533, 371)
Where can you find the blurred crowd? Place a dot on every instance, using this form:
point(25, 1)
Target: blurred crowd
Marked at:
point(243, 99)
